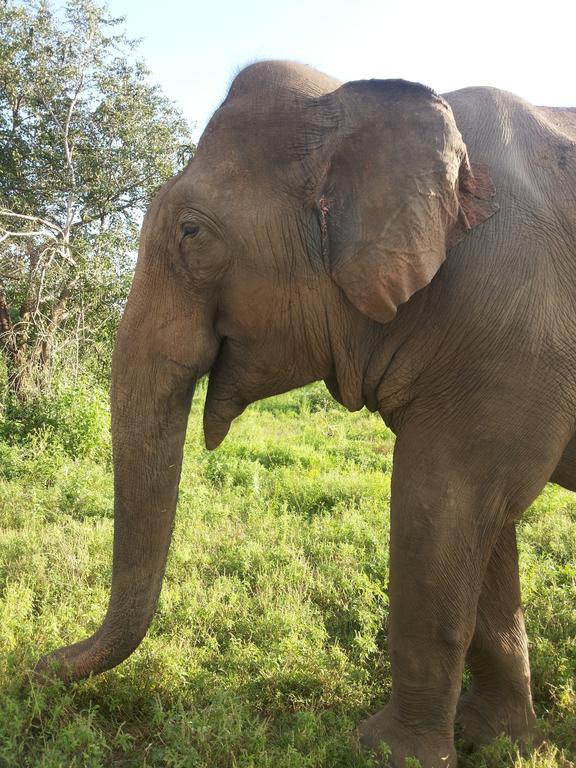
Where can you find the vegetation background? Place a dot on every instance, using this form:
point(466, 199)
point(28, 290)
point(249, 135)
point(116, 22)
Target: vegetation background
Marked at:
point(270, 639)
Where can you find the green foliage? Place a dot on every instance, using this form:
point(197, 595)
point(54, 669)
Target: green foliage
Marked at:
point(269, 643)
point(71, 418)
point(85, 141)
point(80, 123)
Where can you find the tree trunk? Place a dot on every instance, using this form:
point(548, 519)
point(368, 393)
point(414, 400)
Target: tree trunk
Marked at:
point(58, 314)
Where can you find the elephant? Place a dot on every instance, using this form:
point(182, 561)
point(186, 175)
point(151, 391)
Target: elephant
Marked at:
point(417, 253)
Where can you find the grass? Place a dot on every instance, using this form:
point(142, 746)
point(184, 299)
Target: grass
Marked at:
point(269, 641)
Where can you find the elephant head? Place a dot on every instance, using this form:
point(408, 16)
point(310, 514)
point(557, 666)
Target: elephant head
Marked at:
point(309, 213)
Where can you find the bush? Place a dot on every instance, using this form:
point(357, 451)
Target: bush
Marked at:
point(72, 417)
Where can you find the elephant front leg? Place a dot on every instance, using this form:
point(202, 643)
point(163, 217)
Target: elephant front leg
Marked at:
point(444, 522)
point(499, 700)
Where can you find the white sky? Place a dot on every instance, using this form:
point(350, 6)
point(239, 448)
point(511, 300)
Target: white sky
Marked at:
point(195, 48)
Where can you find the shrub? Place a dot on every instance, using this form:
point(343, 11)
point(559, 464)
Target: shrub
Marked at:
point(73, 417)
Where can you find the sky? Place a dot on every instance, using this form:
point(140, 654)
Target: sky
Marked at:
point(194, 49)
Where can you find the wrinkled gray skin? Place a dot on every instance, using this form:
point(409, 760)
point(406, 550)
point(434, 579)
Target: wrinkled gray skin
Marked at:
point(304, 242)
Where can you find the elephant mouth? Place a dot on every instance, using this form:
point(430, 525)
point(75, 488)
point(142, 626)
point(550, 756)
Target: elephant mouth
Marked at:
point(216, 424)
point(223, 404)
point(238, 378)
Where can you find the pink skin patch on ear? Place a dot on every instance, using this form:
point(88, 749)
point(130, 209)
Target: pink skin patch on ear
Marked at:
point(323, 207)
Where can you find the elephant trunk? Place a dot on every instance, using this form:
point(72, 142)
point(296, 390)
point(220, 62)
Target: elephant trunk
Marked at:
point(151, 398)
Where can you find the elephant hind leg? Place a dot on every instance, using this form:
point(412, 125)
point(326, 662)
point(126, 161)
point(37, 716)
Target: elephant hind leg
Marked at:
point(499, 700)
point(565, 472)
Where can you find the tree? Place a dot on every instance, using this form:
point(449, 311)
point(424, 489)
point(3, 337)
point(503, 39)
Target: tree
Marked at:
point(85, 140)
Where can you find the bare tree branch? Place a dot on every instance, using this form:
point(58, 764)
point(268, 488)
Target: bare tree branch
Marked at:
point(7, 234)
point(35, 219)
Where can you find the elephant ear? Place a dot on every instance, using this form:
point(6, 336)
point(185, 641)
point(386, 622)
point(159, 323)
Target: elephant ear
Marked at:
point(398, 191)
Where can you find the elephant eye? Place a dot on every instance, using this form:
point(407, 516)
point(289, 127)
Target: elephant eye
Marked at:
point(190, 230)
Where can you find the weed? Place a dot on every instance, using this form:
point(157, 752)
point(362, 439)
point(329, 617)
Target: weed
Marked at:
point(269, 643)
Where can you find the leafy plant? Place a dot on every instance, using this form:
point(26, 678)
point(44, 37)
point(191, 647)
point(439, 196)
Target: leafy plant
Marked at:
point(85, 141)
point(269, 644)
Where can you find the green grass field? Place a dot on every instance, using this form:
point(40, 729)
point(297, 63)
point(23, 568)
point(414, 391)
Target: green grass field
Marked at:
point(269, 643)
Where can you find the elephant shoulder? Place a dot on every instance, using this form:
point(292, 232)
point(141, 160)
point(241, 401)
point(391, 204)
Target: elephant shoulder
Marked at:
point(561, 120)
point(492, 117)
point(526, 147)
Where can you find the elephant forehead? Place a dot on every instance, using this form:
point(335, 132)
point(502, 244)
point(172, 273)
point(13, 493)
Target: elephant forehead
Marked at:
point(280, 122)
point(264, 79)
point(242, 142)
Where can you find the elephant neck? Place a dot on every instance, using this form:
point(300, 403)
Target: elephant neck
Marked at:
point(349, 352)
point(401, 353)
point(375, 365)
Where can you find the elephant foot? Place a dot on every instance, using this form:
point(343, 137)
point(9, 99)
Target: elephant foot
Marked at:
point(482, 720)
point(432, 751)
